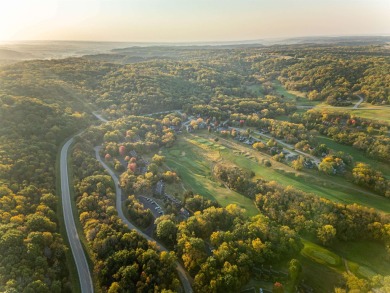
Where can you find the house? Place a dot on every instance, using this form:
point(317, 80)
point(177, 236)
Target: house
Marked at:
point(308, 164)
point(185, 213)
point(160, 187)
point(291, 157)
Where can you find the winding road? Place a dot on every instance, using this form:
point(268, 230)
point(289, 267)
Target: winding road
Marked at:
point(86, 284)
point(358, 103)
point(184, 279)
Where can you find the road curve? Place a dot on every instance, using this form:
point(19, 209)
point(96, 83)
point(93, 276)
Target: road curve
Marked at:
point(118, 202)
point(71, 231)
point(358, 103)
point(184, 279)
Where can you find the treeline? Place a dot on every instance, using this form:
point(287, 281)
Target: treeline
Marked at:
point(220, 247)
point(331, 74)
point(315, 216)
point(306, 213)
point(368, 136)
point(123, 260)
point(235, 108)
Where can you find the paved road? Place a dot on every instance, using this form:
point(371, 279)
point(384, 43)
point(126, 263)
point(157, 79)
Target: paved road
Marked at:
point(98, 116)
point(289, 146)
point(184, 279)
point(358, 103)
point(180, 270)
point(75, 244)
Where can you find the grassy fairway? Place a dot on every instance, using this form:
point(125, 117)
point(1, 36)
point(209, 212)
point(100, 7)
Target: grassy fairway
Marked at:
point(365, 110)
point(365, 258)
point(289, 178)
point(332, 188)
point(380, 113)
point(357, 155)
point(336, 190)
point(194, 167)
point(193, 157)
point(299, 97)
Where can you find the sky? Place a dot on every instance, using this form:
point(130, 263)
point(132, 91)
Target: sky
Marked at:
point(189, 20)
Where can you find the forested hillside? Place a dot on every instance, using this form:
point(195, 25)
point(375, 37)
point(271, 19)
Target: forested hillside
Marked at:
point(254, 166)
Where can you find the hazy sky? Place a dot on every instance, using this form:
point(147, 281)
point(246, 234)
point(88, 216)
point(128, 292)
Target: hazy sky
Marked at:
point(189, 20)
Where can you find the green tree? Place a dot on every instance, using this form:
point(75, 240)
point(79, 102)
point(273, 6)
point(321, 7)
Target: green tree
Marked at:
point(298, 163)
point(166, 230)
point(326, 234)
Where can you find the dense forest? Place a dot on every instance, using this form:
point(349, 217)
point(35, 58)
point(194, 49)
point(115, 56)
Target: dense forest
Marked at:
point(158, 97)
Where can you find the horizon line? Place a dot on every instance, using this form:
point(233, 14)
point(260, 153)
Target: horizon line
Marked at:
point(201, 42)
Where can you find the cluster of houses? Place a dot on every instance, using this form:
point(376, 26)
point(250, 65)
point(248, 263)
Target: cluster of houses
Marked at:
point(142, 164)
point(160, 191)
point(246, 140)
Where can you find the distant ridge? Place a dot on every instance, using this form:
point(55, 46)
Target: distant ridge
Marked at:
point(27, 50)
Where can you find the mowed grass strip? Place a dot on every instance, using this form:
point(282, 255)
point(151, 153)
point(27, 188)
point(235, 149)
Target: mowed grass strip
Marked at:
point(320, 254)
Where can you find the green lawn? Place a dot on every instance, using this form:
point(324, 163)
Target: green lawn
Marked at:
point(329, 190)
point(382, 114)
point(318, 261)
point(298, 97)
point(321, 255)
point(364, 257)
point(365, 110)
point(193, 156)
point(194, 165)
point(357, 155)
point(195, 171)
point(256, 89)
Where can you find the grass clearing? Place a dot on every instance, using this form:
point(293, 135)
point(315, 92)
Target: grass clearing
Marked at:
point(257, 89)
point(293, 96)
point(321, 255)
point(365, 110)
point(333, 188)
point(372, 256)
point(381, 114)
point(195, 171)
point(357, 155)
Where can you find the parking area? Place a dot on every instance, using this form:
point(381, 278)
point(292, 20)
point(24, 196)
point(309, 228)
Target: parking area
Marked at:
point(152, 205)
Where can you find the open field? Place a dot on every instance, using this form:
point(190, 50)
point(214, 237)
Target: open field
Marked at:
point(194, 168)
point(296, 96)
point(365, 110)
point(256, 89)
point(194, 154)
point(321, 255)
point(330, 187)
point(364, 258)
point(357, 155)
